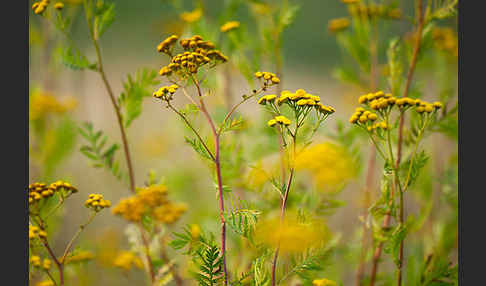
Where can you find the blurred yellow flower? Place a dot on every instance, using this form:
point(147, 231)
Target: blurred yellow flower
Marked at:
point(81, 256)
point(323, 282)
point(45, 283)
point(228, 26)
point(44, 103)
point(329, 164)
point(294, 236)
point(126, 260)
point(169, 212)
point(191, 17)
point(195, 231)
point(445, 39)
point(108, 246)
point(260, 8)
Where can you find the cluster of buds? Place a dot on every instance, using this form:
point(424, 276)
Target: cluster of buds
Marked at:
point(373, 11)
point(301, 99)
point(338, 24)
point(197, 54)
point(268, 78)
point(378, 100)
point(38, 191)
point(362, 116)
point(36, 232)
point(424, 106)
point(282, 120)
point(166, 45)
point(36, 262)
point(96, 202)
point(166, 92)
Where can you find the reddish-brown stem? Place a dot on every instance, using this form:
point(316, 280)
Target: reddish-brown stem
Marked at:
point(217, 163)
point(413, 62)
point(371, 161)
point(59, 265)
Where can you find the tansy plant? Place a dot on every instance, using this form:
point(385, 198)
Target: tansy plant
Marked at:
point(302, 106)
point(185, 69)
point(44, 201)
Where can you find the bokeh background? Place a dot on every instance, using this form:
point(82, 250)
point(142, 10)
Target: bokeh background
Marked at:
point(310, 56)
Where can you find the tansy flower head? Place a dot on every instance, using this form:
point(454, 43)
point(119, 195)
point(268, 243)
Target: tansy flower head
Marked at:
point(166, 92)
point(282, 120)
point(35, 261)
point(228, 26)
point(268, 78)
point(267, 98)
point(96, 202)
point(166, 45)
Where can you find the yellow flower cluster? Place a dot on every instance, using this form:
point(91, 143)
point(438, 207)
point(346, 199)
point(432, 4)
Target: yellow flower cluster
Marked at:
point(191, 17)
point(36, 262)
point(323, 282)
point(378, 100)
point(362, 116)
point(267, 98)
point(40, 7)
point(80, 257)
point(228, 26)
point(303, 99)
point(268, 78)
point(350, 1)
point(445, 39)
point(96, 202)
point(130, 209)
point(166, 45)
point(282, 120)
point(151, 200)
point(38, 191)
point(126, 259)
point(424, 106)
point(166, 92)
point(43, 103)
point(338, 24)
point(36, 232)
point(153, 196)
point(373, 11)
point(329, 165)
point(197, 54)
point(169, 212)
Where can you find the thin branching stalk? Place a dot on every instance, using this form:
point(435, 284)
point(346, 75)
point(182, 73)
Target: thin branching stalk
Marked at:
point(284, 200)
point(217, 163)
point(71, 242)
point(371, 161)
point(119, 117)
point(413, 62)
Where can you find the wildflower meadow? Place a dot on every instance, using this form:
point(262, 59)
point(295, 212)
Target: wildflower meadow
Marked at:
point(243, 142)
